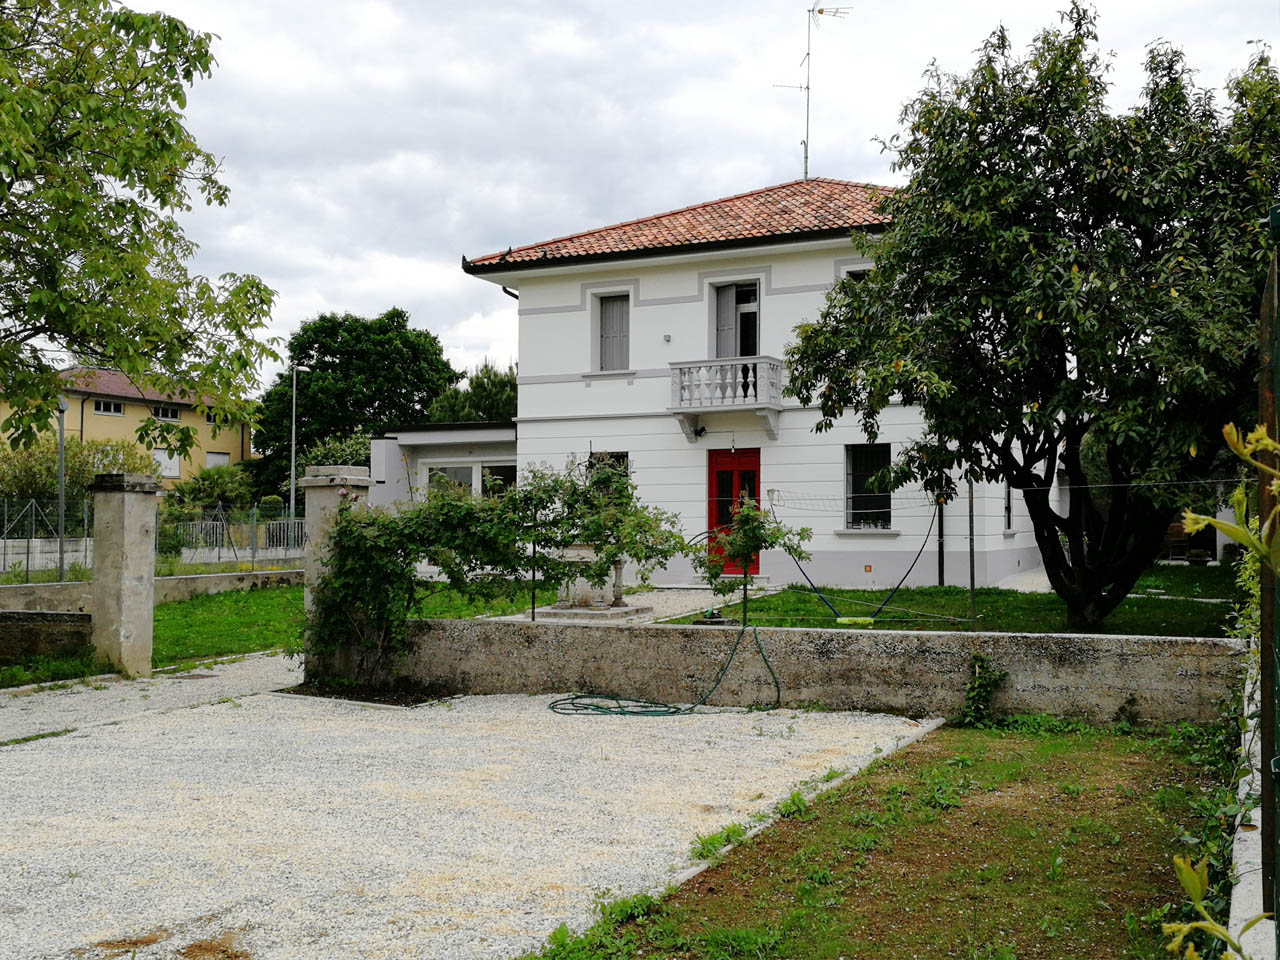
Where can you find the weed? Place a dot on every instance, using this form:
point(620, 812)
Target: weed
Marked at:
point(795, 805)
point(628, 908)
point(978, 692)
point(833, 773)
point(1070, 789)
point(708, 846)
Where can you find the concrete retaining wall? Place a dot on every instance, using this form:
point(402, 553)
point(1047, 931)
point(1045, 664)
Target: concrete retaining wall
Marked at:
point(1099, 678)
point(77, 597)
point(24, 635)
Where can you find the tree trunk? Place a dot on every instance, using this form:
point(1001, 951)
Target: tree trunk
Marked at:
point(1109, 556)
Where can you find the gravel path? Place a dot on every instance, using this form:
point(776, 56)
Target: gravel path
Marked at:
point(284, 827)
point(27, 712)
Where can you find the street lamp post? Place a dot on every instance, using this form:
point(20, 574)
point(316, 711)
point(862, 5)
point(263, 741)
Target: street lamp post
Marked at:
point(62, 486)
point(293, 450)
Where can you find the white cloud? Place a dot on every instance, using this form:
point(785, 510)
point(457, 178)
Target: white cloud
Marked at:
point(370, 145)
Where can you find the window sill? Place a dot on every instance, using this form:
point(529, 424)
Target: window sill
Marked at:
point(608, 375)
point(1011, 533)
point(866, 532)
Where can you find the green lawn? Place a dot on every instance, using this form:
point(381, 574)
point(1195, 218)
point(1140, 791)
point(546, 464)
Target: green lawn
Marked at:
point(946, 608)
point(235, 623)
point(226, 624)
point(970, 844)
point(1180, 580)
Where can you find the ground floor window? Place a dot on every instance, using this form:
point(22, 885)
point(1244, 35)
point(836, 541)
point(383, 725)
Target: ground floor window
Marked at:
point(214, 458)
point(478, 477)
point(865, 508)
point(497, 476)
point(167, 463)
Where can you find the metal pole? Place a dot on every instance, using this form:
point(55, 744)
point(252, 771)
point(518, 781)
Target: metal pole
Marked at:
point(942, 563)
point(973, 605)
point(62, 487)
point(293, 452)
point(253, 553)
point(533, 589)
point(1267, 393)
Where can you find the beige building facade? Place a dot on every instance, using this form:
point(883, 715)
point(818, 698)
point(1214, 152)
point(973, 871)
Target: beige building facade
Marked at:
point(104, 405)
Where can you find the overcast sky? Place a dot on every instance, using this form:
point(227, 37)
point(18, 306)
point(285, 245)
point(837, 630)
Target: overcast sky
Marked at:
point(369, 145)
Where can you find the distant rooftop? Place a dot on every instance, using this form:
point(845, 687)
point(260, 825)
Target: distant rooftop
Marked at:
point(103, 382)
point(801, 209)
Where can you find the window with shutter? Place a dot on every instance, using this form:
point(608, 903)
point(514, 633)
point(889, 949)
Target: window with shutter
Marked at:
point(738, 320)
point(615, 333)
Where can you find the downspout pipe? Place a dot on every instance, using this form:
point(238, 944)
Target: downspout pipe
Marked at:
point(83, 401)
point(511, 293)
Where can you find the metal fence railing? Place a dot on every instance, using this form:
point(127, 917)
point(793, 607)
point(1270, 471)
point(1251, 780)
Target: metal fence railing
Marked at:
point(188, 540)
point(245, 537)
point(30, 549)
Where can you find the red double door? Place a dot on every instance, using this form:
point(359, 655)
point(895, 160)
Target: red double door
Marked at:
point(731, 474)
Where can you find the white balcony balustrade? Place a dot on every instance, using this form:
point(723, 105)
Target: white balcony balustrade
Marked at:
point(735, 384)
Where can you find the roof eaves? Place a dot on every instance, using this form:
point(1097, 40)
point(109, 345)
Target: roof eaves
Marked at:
point(761, 240)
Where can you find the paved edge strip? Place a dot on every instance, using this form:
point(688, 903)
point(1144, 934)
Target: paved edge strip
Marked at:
point(1246, 849)
point(814, 790)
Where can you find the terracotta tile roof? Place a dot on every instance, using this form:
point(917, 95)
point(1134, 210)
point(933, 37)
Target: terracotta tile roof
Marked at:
point(799, 209)
point(101, 382)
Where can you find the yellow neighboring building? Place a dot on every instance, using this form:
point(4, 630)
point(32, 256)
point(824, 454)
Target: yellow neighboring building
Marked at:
point(104, 405)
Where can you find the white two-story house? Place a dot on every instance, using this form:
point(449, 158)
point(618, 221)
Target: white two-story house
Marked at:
point(659, 342)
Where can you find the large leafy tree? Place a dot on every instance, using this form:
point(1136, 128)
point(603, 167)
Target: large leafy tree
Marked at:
point(490, 395)
point(366, 374)
point(1054, 272)
point(95, 166)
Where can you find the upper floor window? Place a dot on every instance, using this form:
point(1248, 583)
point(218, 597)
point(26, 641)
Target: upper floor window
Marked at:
point(615, 333)
point(210, 418)
point(113, 408)
point(864, 507)
point(738, 320)
point(166, 413)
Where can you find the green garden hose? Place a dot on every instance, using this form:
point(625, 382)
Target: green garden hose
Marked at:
point(624, 707)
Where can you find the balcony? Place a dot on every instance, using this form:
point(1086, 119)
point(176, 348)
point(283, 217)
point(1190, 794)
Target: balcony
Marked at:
point(733, 385)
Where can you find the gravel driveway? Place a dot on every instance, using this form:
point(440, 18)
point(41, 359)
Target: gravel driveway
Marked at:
point(278, 827)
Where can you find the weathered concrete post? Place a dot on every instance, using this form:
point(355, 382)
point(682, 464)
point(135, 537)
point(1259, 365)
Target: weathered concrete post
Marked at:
point(124, 569)
point(324, 489)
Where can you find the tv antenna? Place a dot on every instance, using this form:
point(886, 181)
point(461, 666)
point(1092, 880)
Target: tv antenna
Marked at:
point(811, 21)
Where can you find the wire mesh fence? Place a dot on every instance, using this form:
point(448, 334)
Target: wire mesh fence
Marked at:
point(188, 540)
point(214, 539)
point(31, 550)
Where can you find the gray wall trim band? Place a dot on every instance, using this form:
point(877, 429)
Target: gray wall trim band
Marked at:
point(651, 374)
point(633, 284)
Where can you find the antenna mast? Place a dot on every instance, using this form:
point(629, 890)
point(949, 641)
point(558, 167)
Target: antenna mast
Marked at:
point(811, 21)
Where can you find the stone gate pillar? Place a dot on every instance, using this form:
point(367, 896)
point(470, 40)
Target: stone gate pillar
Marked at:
point(323, 489)
point(124, 569)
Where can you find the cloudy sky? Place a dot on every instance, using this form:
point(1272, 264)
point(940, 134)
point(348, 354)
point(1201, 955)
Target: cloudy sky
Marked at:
point(369, 144)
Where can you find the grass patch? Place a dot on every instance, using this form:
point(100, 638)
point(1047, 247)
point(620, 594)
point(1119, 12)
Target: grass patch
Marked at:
point(226, 624)
point(173, 567)
point(34, 736)
point(1218, 582)
point(1008, 611)
point(963, 845)
point(51, 670)
point(447, 604)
